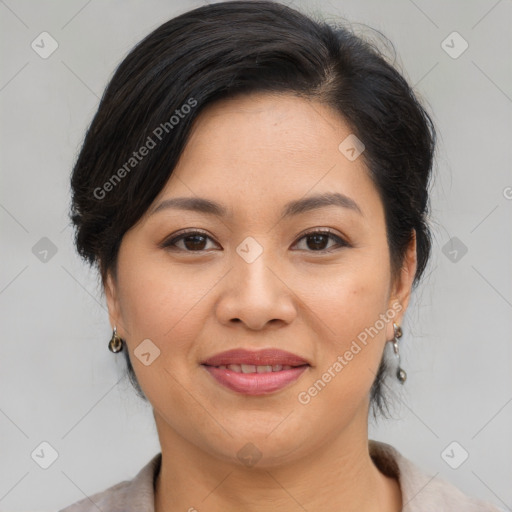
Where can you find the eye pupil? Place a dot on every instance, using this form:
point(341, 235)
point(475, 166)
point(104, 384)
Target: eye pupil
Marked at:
point(317, 240)
point(195, 243)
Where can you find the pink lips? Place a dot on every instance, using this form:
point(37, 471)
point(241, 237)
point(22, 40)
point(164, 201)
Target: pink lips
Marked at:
point(256, 383)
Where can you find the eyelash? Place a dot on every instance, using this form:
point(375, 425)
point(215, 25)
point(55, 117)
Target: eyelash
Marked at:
point(168, 244)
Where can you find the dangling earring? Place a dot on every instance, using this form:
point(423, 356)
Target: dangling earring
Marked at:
point(401, 375)
point(116, 343)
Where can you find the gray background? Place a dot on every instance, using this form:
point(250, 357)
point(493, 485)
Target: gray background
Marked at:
point(58, 381)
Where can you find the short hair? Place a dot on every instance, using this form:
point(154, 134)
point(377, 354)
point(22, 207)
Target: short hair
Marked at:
point(224, 49)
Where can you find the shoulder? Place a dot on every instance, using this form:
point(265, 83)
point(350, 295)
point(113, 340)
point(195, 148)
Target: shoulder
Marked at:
point(108, 500)
point(136, 494)
point(421, 491)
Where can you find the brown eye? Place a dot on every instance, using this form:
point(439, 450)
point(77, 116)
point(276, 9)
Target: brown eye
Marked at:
point(317, 241)
point(197, 241)
point(192, 241)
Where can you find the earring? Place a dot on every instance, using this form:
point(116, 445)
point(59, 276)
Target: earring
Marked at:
point(401, 375)
point(116, 343)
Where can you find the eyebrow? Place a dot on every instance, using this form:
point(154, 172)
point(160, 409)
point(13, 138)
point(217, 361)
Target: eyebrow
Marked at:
point(296, 207)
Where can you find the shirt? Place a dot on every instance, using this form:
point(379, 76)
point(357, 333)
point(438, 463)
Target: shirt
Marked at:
point(420, 491)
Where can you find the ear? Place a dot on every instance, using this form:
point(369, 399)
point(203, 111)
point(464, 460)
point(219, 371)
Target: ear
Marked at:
point(402, 287)
point(111, 295)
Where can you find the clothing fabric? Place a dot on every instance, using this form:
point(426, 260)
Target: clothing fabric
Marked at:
point(420, 492)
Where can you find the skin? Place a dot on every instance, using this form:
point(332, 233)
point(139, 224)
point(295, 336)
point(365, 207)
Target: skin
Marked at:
point(253, 154)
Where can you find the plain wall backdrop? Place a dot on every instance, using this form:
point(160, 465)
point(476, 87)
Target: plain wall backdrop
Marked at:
point(60, 385)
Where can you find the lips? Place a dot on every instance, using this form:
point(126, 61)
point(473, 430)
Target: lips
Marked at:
point(266, 357)
point(255, 383)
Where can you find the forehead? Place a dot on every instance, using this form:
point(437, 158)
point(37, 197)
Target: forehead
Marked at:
point(267, 149)
point(281, 123)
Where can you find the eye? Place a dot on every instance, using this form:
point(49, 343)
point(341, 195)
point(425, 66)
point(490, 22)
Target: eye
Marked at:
point(318, 239)
point(193, 241)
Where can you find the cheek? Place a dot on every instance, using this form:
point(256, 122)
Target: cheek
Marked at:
point(348, 308)
point(163, 302)
point(347, 297)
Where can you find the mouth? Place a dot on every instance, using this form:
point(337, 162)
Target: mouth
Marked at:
point(255, 372)
point(251, 368)
point(250, 382)
point(256, 361)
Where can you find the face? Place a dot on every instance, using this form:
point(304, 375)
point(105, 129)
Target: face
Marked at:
point(311, 282)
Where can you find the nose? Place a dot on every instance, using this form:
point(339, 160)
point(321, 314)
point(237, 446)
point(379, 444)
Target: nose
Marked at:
point(256, 294)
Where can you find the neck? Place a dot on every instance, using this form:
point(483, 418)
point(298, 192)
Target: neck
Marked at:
point(336, 474)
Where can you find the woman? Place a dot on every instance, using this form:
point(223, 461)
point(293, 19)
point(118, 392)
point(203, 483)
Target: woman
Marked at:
point(254, 191)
